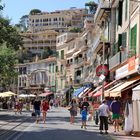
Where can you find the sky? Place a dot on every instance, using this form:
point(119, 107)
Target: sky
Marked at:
point(14, 9)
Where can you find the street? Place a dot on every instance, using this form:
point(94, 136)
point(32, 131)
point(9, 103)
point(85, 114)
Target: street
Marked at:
point(56, 128)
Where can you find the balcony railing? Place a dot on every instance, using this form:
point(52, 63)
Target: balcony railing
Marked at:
point(114, 61)
point(102, 5)
point(124, 56)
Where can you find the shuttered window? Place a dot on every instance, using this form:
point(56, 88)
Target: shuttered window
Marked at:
point(120, 9)
point(133, 40)
point(62, 54)
point(124, 35)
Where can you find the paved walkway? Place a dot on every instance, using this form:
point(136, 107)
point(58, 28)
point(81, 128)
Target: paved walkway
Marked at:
point(91, 128)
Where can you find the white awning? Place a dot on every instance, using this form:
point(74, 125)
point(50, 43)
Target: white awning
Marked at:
point(136, 93)
point(117, 91)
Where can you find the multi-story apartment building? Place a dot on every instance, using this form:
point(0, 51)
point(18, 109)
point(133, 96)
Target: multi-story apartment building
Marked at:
point(40, 43)
point(34, 77)
point(59, 20)
point(125, 50)
point(62, 48)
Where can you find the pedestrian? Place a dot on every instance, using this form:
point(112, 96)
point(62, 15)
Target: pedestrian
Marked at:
point(37, 105)
point(51, 103)
point(84, 117)
point(115, 108)
point(103, 115)
point(73, 110)
point(45, 107)
point(85, 103)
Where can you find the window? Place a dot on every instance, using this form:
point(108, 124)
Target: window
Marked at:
point(49, 67)
point(53, 68)
point(61, 83)
point(56, 84)
point(124, 39)
point(133, 40)
point(53, 83)
point(120, 9)
point(61, 69)
point(62, 54)
point(56, 69)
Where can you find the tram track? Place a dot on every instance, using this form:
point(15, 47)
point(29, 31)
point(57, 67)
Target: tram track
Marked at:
point(13, 127)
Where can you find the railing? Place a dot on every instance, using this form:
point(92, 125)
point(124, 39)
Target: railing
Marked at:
point(114, 61)
point(124, 56)
point(102, 4)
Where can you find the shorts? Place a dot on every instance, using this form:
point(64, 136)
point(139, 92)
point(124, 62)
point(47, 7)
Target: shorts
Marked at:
point(84, 119)
point(115, 116)
point(73, 112)
point(37, 112)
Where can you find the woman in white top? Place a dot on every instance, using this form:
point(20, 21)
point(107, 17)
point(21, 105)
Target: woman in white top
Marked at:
point(103, 115)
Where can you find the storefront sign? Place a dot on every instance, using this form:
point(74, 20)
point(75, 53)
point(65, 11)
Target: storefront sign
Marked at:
point(121, 72)
point(131, 63)
point(102, 70)
point(127, 69)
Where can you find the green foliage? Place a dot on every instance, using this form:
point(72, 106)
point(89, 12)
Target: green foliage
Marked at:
point(7, 66)
point(75, 30)
point(9, 34)
point(1, 6)
point(35, 11)
point(92, 6)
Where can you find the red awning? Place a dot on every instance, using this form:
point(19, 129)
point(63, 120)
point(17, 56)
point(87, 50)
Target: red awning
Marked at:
point(98, 93)
point(46, 94)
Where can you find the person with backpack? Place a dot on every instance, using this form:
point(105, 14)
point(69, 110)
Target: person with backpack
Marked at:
point(45, 107)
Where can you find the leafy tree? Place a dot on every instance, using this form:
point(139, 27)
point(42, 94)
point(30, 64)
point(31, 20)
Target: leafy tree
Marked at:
point(35, 11)
point(75, 30)
point(9, 34)
point(92, 6)
point(7, 66)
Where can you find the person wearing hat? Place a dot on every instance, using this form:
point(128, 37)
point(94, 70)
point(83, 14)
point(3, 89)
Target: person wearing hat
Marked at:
point(103, 115)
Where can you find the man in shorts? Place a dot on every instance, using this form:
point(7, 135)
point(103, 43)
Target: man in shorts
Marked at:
point(115, 108)
point(37, 105)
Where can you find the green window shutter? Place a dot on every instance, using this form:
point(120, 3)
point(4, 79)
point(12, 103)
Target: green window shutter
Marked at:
point(61, 83)
point(56, 84)
point(135, 38)
point(56, 70)
point(119, 40)
point(49, 67)
point(62, 54)
point(120, 9)
point(53, 68)
point(130, 38)
point(124, 39)
point(114, 49)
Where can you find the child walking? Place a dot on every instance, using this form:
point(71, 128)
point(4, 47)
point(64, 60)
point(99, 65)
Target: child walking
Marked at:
point(84, 117)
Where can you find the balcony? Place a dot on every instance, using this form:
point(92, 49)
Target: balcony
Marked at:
point(124, 56)
point(103, 6)
point(114, 61)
